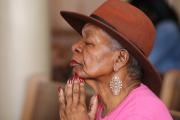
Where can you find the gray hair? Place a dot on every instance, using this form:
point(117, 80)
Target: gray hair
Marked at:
point(134, 68)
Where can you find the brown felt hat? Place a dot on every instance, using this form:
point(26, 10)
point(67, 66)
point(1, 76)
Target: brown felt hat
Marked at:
point(129, 26)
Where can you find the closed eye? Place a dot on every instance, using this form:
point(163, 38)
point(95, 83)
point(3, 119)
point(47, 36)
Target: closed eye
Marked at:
point(89, 44)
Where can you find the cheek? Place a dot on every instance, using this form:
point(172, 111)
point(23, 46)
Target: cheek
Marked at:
point(98, 63)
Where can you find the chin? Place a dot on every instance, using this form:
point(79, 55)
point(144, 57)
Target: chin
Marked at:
point(80, 73)
point(83, 73)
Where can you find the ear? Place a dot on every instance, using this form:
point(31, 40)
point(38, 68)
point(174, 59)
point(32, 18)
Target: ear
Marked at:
point(121, 58)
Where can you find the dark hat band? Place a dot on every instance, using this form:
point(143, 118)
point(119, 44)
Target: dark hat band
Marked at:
point(102, 20)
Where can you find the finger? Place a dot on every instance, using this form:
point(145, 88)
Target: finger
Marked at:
point(82, 93)
point(61, 98)
point(62, 115)
point(76, 91)
point(93, 107)
point(68, 92)
point(62, 104)
point(68, 83)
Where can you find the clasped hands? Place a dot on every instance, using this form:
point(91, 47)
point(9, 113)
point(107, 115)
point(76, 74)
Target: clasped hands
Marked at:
point(72, 101)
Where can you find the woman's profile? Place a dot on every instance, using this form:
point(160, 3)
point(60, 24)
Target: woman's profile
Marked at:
point(111, 57)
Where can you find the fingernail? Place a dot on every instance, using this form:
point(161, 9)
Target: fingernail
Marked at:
point(98, 97)
point(71, 81)
point(71, 78)
point(81, 80)
point(67, 81)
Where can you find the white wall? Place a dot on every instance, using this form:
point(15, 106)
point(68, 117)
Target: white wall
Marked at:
point(82, 6)
point(24, 51)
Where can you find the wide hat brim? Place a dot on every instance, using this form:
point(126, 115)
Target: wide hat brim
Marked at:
point(151, 78)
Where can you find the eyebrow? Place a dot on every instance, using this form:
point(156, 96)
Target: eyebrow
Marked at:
point(87, 32)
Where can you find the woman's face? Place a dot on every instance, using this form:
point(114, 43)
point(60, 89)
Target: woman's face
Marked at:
point(92, 55)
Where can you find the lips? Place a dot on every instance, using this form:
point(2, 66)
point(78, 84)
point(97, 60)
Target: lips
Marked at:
point(74, 63)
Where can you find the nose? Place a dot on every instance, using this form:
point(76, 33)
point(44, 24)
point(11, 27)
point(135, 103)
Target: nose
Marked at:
point(77, 47)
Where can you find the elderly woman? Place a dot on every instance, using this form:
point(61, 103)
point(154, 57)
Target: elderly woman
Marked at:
point(111, 58)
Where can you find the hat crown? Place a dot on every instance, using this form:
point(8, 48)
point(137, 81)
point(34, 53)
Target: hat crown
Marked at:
point(130, 22)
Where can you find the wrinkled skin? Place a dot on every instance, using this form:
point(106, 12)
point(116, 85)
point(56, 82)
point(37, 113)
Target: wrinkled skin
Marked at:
point(94, 54)
point(96, 65)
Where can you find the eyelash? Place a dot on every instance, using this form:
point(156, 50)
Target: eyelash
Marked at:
point(89, 44)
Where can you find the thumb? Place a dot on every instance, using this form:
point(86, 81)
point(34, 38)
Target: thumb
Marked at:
point(93, 107)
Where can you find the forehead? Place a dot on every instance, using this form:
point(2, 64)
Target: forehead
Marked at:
point(96, 32)
point(90, 28)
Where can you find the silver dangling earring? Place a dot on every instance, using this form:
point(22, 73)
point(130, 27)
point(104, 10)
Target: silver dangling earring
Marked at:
point(116, 84)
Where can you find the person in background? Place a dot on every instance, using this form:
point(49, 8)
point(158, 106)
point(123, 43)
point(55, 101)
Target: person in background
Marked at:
point(166, 51)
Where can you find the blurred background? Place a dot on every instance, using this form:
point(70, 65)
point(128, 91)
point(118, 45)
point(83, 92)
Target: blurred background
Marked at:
point(35, 50)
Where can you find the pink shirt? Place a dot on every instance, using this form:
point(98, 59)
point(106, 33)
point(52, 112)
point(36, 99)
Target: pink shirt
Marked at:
point(140, 104)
